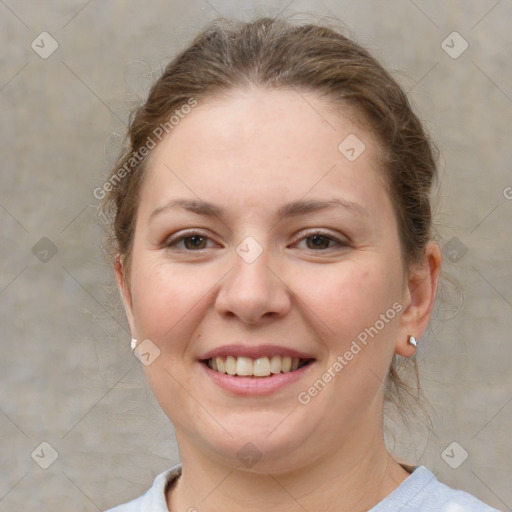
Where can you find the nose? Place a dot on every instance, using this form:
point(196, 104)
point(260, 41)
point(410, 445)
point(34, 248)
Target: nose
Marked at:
point(253, 291)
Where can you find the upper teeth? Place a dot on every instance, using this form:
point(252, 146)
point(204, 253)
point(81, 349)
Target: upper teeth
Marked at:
point(260, 367)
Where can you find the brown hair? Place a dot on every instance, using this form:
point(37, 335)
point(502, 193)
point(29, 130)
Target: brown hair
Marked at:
point(274, 53)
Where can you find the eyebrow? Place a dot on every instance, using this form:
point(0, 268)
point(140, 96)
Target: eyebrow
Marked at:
point(291, 209)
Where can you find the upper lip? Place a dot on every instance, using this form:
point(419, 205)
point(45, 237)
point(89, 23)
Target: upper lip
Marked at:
point(254, 352)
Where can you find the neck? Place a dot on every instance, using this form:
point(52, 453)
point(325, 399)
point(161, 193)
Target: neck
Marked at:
point(342, 480)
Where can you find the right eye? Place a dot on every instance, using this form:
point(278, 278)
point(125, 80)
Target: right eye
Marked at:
point(191, 241)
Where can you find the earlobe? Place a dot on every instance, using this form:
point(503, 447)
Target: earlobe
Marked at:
point(124, 291)
point(420, 294)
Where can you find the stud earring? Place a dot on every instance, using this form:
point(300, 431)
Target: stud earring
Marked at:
point(134, 343)
point(412, 341)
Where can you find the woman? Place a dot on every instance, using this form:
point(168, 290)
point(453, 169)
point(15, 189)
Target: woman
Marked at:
point(273, 247)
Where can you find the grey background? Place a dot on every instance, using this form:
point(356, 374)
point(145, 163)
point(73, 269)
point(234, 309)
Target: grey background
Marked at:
point(68, 376)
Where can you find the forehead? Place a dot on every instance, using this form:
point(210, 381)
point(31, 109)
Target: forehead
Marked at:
point(260, 143)
point(251, 117)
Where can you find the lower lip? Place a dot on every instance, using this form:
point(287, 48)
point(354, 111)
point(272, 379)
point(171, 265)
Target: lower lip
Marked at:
point(250, 386)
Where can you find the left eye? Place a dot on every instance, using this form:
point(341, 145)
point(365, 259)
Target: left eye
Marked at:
point(317, 241)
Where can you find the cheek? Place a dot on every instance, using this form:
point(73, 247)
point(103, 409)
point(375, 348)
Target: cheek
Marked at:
point(349, 298)
point(167, 302)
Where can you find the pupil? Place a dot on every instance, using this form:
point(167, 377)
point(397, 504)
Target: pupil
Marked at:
point(318, 240)
point(195, 240)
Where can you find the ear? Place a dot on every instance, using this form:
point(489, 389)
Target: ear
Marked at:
point(418, 299)
point(125, 292)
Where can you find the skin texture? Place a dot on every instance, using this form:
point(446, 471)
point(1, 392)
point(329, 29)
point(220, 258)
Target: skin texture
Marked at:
point(250, 152)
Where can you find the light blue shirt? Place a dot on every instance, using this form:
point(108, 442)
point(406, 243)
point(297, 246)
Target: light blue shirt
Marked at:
point(420, 492)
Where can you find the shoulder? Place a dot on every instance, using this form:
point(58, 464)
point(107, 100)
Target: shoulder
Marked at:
point(132, 506)
point(423, 492)
point(154, 500)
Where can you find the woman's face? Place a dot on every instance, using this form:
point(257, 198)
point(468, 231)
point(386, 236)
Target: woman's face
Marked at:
point(265, 238)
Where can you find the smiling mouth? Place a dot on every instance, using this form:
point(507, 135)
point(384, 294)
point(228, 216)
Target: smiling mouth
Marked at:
point(260, 367)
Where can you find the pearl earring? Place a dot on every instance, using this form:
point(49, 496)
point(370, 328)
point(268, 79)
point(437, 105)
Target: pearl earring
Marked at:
point(134, 343)
point(412, 341)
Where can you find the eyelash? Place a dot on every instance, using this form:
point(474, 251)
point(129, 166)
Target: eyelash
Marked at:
point(173, 241)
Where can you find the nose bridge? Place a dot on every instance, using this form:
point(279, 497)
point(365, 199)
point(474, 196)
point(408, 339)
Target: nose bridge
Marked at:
point(252, 290)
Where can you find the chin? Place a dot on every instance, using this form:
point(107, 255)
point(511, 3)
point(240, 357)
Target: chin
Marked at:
point(259, 442)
